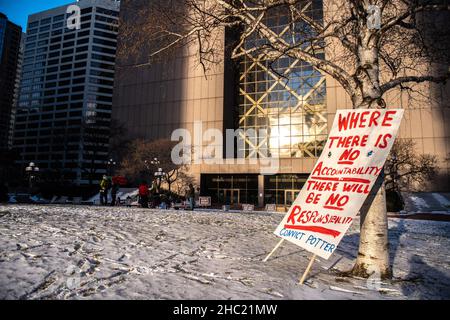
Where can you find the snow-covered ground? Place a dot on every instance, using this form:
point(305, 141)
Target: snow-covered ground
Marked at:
point(427, 202)
point(68, 252)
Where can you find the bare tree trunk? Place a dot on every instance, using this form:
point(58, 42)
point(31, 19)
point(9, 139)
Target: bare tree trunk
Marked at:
point(373, 252)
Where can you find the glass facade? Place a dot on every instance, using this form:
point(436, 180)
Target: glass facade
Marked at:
point(282, 189)
point(285, 97)
point(231, 189)
point(2, 34)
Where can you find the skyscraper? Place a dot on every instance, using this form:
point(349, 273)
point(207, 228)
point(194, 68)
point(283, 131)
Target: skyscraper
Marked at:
point(16, 90)
point(64, 107)
point(10, 35)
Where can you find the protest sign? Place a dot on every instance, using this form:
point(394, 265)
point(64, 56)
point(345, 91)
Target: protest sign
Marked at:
point(343, 176)
point(248, 207)
point(204, 201)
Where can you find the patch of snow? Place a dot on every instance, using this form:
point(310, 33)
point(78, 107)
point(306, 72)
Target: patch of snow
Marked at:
point(93, 252)
point(419, 202)
point(344, 290)
point(441, 199)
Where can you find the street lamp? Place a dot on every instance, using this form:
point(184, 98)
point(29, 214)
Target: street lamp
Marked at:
point(155, 161)
point(159, 173)
point(111, 163)
point(32, 170)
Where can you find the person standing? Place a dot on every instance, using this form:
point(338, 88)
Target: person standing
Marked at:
point(191, 196)
point(104, 186)
point(128, 201)
point(143, 194)
point(114, 189)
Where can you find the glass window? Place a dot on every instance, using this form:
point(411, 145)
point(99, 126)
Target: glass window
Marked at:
point(33, 24)
point(56, 32)
point(86, 10)
point(57, 25)
point(46, 21)
point(30, 45)
point(58, 18)
point(107, 12)
point(44, 28)
point(285, 98)
point(69, 36)
point(55, 46)
point(53, 54)
point(44, 35)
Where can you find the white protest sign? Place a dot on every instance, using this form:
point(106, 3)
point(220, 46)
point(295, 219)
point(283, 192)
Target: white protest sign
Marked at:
point(352, 159)
point(204, 201)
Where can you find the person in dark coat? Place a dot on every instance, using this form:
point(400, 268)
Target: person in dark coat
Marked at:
point(191, 196)
point(114, 189)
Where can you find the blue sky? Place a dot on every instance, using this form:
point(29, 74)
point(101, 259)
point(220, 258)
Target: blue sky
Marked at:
point(19, 10)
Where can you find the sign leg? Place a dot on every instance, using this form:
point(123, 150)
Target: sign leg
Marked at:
point(274, 249)
point(307, 269)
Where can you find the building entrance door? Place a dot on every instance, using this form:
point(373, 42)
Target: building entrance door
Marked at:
point(289, 197)
point(231, 195)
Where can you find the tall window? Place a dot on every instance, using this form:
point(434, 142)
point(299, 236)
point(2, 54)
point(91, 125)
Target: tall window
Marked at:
point(286, 98)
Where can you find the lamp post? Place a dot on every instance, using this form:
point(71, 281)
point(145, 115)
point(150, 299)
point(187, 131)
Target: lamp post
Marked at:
point(155, 161)
point(110, 164)
point(32, 171)
point(159, 173)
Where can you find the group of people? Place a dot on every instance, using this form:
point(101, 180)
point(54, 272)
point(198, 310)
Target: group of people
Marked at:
point(160, 200)
point(146, 196)
point(106, 185)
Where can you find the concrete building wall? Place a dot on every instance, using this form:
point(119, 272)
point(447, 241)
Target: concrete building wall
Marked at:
point(163, 95)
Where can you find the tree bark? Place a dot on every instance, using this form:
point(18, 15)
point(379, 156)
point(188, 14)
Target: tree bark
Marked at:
point(373, 252)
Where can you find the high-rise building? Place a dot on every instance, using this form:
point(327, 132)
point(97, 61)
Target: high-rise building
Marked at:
point(16, 90)
point(64, 105)
point(290, 99)
point(10, 35)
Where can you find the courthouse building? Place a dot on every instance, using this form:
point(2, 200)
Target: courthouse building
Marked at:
point(290, 99)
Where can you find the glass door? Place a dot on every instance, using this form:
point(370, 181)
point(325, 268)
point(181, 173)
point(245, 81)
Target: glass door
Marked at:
point(290, 196)
point(232, 195)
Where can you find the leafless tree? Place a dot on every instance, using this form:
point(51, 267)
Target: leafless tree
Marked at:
point(367, 57)
point(405, 169)
point(137, 164)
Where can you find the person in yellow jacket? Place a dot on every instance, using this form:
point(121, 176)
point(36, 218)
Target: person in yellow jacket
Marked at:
point(104, 186)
